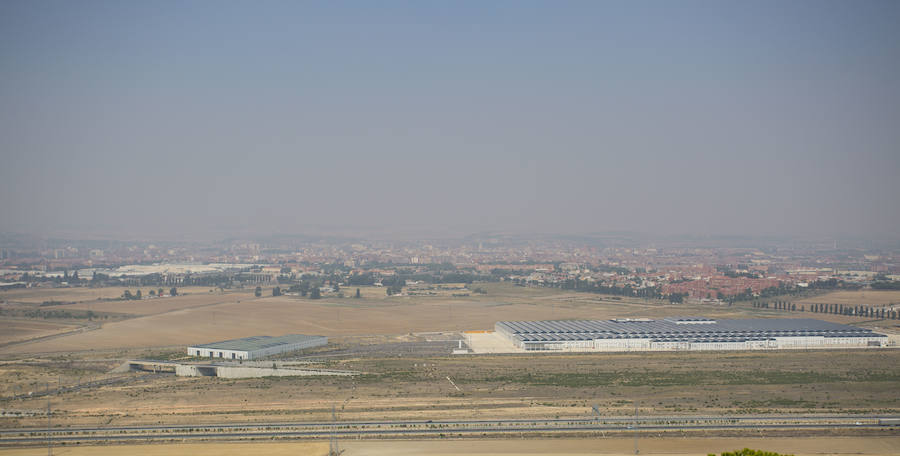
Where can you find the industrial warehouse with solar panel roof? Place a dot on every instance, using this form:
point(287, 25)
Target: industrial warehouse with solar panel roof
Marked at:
point(256, 347)
point(686, 333)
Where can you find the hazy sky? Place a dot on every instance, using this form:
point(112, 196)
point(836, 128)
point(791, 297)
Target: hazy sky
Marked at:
point(716, 117)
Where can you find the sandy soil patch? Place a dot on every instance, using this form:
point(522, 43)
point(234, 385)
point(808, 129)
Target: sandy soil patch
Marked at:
point(491, 342)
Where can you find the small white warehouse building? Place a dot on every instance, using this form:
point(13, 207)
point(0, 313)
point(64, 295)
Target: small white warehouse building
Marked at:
point(256, 347)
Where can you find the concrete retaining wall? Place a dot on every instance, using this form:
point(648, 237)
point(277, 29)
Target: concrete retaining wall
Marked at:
point(189, 370)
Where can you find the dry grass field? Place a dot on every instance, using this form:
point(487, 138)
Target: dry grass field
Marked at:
point(818, 446)
point(625, 446)
point(39, 295)
point(193, 299)
point(17, 329)
point(492, 386)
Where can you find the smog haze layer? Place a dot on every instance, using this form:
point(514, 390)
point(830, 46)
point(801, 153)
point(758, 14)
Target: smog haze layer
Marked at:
point(206, 118)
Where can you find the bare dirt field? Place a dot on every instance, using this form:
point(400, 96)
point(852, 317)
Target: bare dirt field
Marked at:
point(870, 446)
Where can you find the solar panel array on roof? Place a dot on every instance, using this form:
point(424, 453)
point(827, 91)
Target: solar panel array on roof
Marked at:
point(671, 330)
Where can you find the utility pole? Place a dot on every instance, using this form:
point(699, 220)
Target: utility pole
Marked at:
point(49, 442)
point(333, 449)
point(597, 412)
point(636, 450)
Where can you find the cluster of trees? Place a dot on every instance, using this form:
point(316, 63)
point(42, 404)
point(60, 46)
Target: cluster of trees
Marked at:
point(498, 274)
point(858, 311)
point(369, 278)
point(734, 274)
point(309, 289)
point(447, 277)
point(396, 288)
point(157, 280)
point(71, 279)
point(208, 280)
point(128, 295)
point(770, 292)
point(778, 305)
point(677, 298)
point(833, 284)
point(883, 285)
point(302, 288)
point(834, 309)
point(305, 289)
point(596, 287)
point(99, 279)
point(394, 281)
point(785, 289)
point(608, 268)
point(55, 313)
point(361, 279)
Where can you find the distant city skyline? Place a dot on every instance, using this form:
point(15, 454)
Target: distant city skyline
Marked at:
point(171, 119)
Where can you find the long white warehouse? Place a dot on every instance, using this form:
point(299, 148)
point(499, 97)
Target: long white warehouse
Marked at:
point(692, 333)
point(256, 347)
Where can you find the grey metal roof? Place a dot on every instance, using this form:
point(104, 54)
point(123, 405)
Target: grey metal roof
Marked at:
point(674, 331)
point(257, 342)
